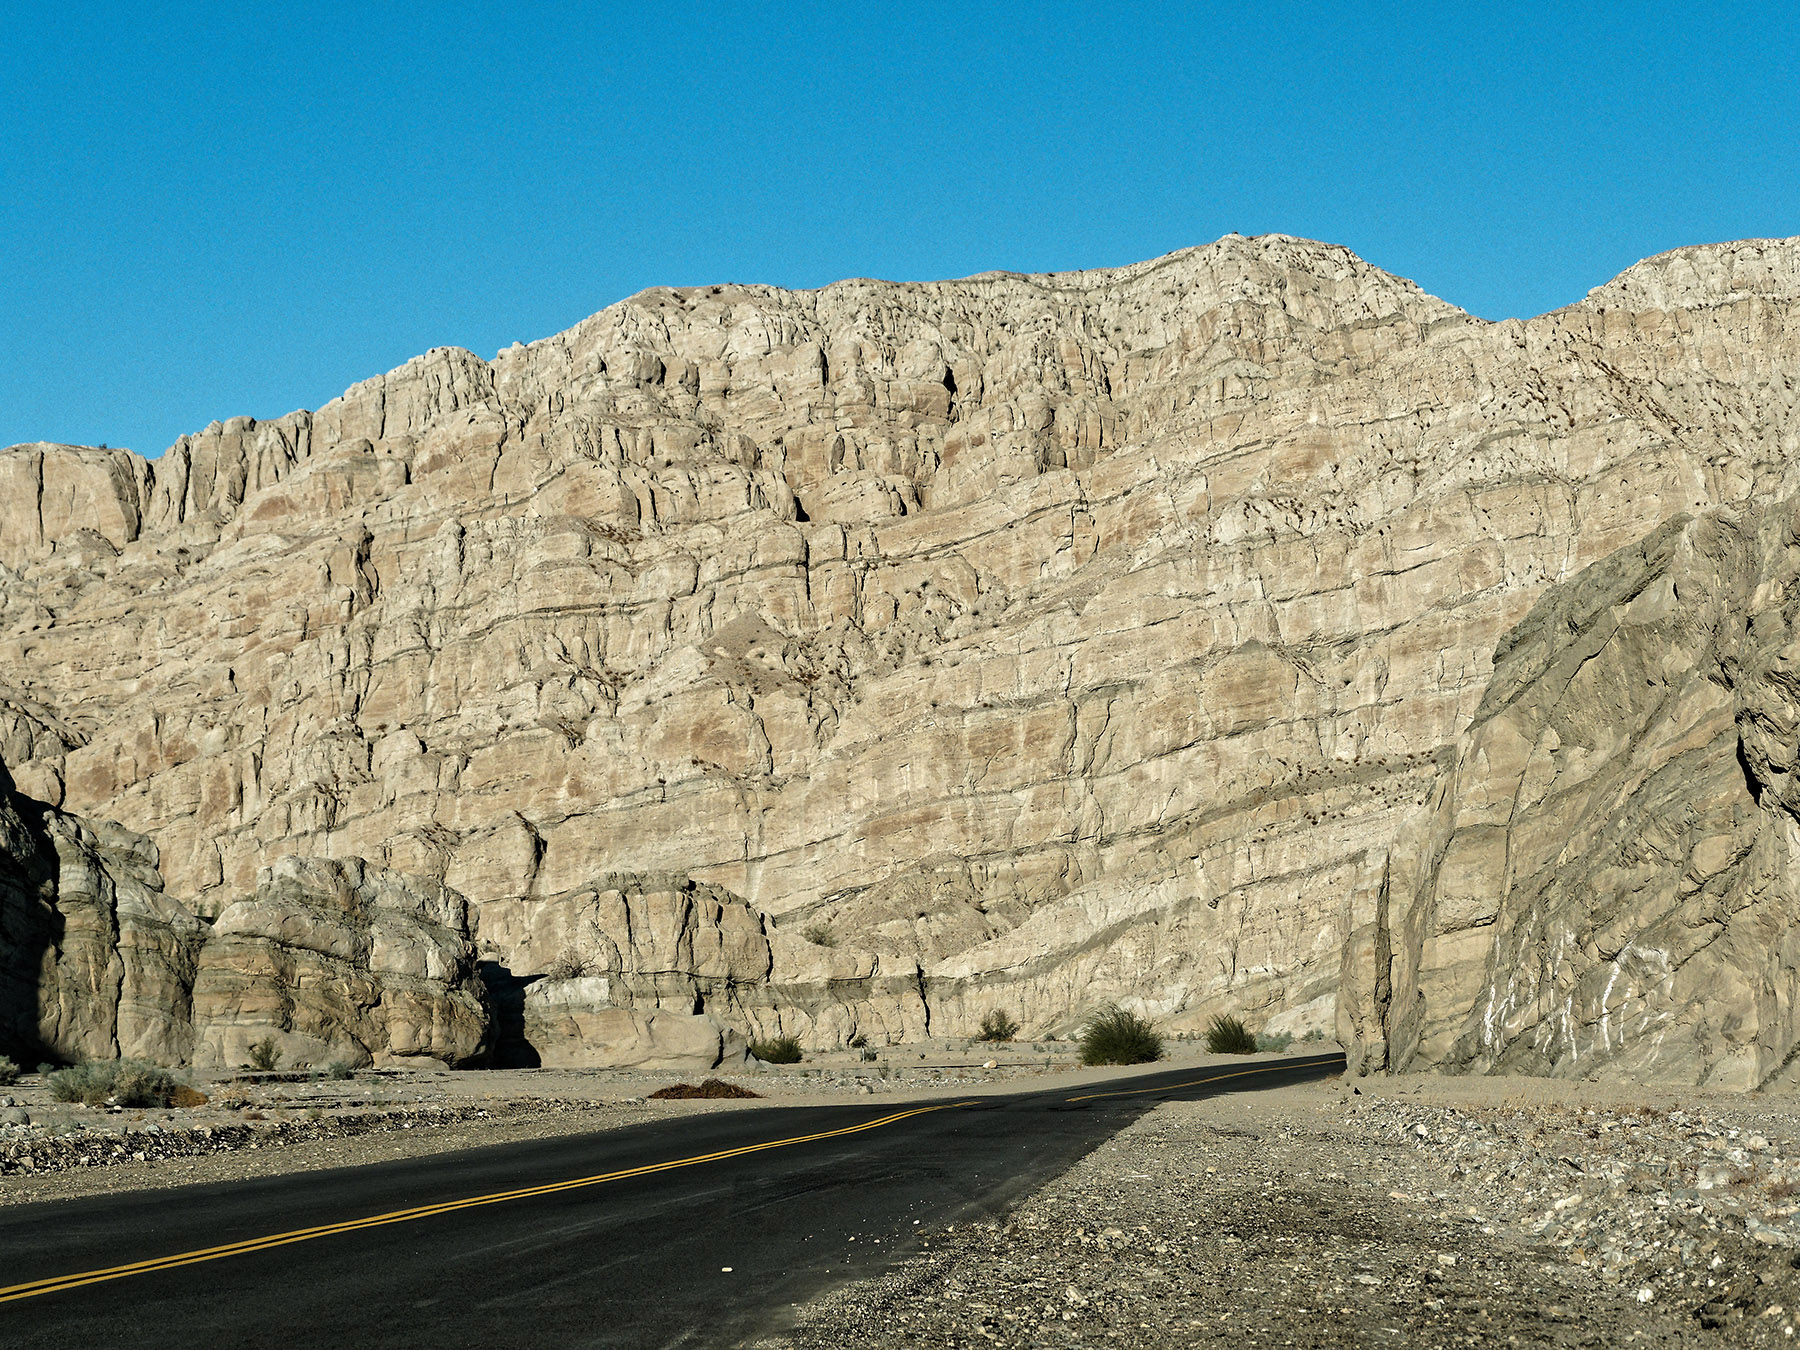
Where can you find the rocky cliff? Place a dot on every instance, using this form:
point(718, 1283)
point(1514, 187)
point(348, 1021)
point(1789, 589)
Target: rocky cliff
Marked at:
point(1609, 883)
point(1042, 639)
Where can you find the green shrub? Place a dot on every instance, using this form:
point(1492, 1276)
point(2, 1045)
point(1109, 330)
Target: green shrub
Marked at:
point(264, 1054)
point(1314, 1035)
point(996, 1025)
point(1115, 1036)
point(9, 1072)
point(339, 1070)
point(123, 1082)
point(1226, 1035)
point(1274, 1042)
point(780, 1050)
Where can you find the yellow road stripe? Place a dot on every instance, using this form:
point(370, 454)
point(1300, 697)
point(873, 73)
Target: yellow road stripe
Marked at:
point(1198, 1082)
point(32, 1288)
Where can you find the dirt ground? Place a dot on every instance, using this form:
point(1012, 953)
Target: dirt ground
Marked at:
point(1395, 1212)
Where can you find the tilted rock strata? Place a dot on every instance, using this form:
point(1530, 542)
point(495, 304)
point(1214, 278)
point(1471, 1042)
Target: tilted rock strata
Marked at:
point(97, 961)
point(1610, 883)
point(1152, 599)
point(336, 961)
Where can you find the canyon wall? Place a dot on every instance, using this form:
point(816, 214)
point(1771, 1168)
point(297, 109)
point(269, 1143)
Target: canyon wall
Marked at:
point(1036, 639)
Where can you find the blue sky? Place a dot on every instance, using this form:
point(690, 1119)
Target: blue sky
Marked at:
point(208, 211)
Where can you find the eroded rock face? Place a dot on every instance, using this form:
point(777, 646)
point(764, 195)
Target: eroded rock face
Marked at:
point(573, 1024)
point(98, 961)
point(666, 943)
point(1610, 883)
point(1117, 622)
point(338, 961)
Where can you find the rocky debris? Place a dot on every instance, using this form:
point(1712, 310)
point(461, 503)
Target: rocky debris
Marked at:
point(75, 1146)
point(1608, 884)
point(340, 962)
point(1077, 637)
point(1351, 1220)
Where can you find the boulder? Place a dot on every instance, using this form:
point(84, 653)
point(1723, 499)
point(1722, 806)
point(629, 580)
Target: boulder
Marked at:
point(339, 961)
point(572, 1024)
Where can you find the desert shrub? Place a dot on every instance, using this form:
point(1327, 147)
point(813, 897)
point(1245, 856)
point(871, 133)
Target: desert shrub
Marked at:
point(780, 1050)
point(1226, 1035)
point(870, 1056)
point(568, 966)
point(124, 1082)
point(1115, 1036)
point(819, 934)
point(264, 1054)
point(858, 1041)
point(1314, 1035)
point(9, 1072)
point(1273, 1042)
point(712, 1087)
point(339, 1070)
point(997, 1026)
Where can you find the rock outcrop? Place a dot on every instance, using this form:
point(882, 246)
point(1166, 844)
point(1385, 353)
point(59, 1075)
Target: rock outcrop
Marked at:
point(1610, 883)
point(340, 962)
point(667, 944)
point(95, 960)
point(573, 1024)
point(1047, 639)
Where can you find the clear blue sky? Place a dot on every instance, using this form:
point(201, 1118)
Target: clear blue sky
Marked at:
point(215, 210)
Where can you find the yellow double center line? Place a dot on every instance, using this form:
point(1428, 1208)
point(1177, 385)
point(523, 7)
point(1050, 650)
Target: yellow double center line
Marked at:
point(33, 1288)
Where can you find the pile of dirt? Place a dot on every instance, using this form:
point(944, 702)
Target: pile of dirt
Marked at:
point(712, 1087)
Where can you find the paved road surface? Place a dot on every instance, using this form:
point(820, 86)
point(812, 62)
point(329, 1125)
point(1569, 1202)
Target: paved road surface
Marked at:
point(612, 1239)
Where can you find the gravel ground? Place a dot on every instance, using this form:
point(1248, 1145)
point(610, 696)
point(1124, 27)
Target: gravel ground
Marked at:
point(1424, 1214)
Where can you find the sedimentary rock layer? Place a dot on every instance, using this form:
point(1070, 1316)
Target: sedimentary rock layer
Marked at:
point(1044, 639)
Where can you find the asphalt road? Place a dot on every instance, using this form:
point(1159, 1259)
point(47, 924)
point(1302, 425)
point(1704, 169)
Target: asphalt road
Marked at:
point(621, 1238)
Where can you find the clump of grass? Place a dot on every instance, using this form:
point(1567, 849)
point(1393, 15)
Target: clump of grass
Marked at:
point(9, 1072)
point(121, 1082)
point(1273, 1042)
point(1114, 1036)
point(779, 1050)
point(712, 1087)
point(997, 1025)
point(1227, 1035)
point(819, 934)
point(265, 1055)
point(568, 966)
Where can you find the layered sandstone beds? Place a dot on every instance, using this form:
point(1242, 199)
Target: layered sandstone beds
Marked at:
point(1035, 640)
